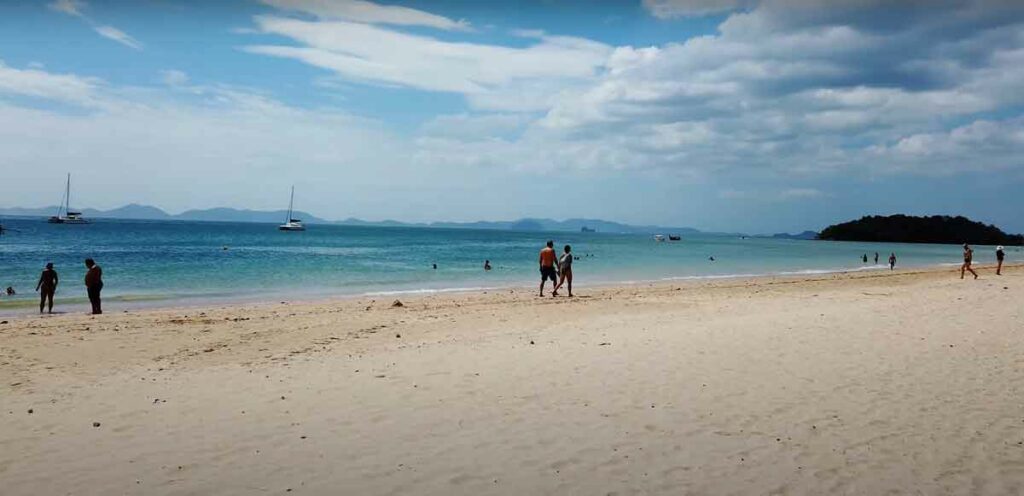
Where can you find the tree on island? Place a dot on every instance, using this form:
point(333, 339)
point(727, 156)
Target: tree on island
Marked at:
point(911, 229)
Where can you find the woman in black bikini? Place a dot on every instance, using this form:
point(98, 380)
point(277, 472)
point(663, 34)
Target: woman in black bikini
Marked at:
point(47, 286)
point(966, 267)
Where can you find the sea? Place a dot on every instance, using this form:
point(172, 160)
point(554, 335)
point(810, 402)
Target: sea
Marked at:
point(172, 263)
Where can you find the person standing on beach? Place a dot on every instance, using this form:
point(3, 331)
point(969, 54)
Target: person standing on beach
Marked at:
point(565, 268)
point(968, 257)
point(892, 261)
point(547, 266)
point(94, 284)
point(47, 286)
point(1000, 255)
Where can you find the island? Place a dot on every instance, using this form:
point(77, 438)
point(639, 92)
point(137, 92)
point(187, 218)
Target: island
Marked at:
point(911, 229)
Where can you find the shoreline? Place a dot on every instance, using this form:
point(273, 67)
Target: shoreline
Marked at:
point(146, 302)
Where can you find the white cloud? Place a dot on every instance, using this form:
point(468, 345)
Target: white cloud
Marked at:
point(667, 9)
point(207, 146)
point(173, 77)
point(492, 76)
point(75, 8)
point(112, 33)
point(37, 83)
point(69, 7)
point(369, 13)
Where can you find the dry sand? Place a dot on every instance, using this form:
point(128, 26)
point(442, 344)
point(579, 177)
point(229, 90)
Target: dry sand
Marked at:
point(848, 384)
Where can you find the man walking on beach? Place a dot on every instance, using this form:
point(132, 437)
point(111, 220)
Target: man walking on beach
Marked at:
point(968, 257)
point(94, 284)
point(1000, 255)
point(547, 266)
point(47, 286)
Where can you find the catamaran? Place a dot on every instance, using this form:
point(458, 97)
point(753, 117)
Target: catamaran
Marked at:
point(291, 224)
point(64, 213)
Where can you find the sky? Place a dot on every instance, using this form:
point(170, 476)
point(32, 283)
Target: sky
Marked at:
point(725, 115)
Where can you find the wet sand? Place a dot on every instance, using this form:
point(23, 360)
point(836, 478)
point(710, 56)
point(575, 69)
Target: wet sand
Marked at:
point(868, 383)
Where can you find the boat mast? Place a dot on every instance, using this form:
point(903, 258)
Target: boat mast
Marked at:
point(67, 194)
point(290, 202)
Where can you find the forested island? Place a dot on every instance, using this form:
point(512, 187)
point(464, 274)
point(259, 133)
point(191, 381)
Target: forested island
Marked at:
point(911, 229)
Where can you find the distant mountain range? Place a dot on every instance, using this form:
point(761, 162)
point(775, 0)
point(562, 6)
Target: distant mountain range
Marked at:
point(221, 214)
point(803, 235)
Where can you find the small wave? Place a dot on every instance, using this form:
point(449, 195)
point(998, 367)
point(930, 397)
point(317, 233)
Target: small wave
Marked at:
point(434, 290)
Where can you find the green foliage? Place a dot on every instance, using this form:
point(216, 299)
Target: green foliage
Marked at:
point(910, 229)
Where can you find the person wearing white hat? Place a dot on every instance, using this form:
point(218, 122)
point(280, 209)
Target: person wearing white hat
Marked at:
point(999, 260)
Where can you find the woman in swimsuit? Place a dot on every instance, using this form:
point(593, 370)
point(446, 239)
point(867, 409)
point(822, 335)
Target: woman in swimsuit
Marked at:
point(565, 268)
point(966, 267)
point(47, 286)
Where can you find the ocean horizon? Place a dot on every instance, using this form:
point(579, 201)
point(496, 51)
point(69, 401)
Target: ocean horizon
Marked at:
point(169, 263)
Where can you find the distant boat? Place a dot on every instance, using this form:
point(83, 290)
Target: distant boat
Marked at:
point(291, 224)
point(64, 213)
point(659, 237)
point(587, 229)
point(673, 237)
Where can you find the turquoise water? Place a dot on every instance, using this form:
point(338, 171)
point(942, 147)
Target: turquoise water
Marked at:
point(169, 262)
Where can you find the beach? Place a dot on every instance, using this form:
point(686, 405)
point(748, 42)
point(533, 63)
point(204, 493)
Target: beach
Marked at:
point(874, 382)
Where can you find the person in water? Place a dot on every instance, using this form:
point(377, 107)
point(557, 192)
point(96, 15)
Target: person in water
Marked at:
point(565, 268)
point(1000, 255)
point(10, 291)
point(547, 266)
point(865, 258)
point(487, 265)
point(46, 287)
point(892, 261)
point(94, 284)
point(876, 258)
point(968, 257)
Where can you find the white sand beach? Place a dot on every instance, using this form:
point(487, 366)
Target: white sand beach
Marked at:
point(869, 383)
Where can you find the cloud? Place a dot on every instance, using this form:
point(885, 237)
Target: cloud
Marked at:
point(75, 8)
point(369, 13)
point(37, 83)
point(491, 76)
point(112, 33)
point(667, 9)
point(151, 140)
point(69, 7)
point(173, 77)
point(792, 88)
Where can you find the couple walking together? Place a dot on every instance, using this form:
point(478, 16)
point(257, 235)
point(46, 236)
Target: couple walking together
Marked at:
point(558, 269)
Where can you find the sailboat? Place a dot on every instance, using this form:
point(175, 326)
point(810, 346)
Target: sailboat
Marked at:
point(64, 213)
point(291, 224)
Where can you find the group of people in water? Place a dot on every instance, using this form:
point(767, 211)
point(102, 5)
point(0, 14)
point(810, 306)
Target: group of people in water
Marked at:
point(48, 281)
point(892, 260)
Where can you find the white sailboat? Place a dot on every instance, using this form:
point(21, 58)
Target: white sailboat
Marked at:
point(291, 224)
point(64, 213)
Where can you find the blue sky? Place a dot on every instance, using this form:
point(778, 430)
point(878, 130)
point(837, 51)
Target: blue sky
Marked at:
point(737, 115)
